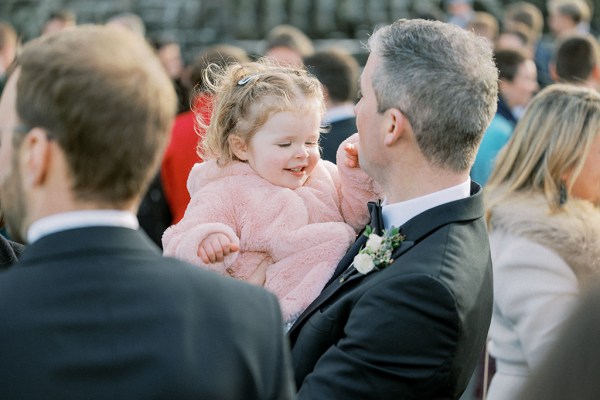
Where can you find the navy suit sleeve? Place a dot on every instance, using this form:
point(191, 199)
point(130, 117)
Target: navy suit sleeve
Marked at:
point(398, 342)
point(283, 382)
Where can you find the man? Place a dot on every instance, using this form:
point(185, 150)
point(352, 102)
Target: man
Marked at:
point(576, 62)
point(92, 310)
point(59, 20)
point(414, 329)
point(460, 12)
point(517, 85)
point(8, 50)
point(288, 45)
point(567, 17)
point(338, 72)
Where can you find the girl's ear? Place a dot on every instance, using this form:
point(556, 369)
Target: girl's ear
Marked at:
point(238, 147)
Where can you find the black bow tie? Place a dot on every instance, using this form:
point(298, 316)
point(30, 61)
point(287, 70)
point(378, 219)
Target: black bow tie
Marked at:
point(377, 225)
point(376, 217)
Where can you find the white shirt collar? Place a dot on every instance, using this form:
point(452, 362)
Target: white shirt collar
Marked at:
point(80, 219)
point(399, 213)
point(338, 113)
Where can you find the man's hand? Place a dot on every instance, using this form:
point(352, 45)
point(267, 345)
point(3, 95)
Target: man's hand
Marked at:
point(215, 247)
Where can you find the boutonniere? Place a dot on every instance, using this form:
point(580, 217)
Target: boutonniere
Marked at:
point(378, 250)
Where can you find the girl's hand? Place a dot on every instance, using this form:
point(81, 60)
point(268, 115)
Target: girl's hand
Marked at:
point(259, 276)
point(215, 247)
point(351, 160)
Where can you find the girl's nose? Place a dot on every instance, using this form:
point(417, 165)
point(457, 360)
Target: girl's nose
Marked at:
point(302, 152)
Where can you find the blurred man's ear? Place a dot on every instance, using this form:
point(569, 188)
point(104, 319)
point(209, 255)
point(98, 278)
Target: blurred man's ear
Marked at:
point(595, 75)
point(35, 156)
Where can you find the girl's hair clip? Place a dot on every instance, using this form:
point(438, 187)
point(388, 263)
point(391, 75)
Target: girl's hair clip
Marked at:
point(246, 79)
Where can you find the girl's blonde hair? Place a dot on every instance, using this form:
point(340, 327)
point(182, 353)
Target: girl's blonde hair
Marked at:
point(551, 140)
point(246, 95)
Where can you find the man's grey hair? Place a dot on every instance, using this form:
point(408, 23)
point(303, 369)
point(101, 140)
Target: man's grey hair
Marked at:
point(444, 80)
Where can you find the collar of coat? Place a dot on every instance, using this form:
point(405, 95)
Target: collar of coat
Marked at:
point(573, 233)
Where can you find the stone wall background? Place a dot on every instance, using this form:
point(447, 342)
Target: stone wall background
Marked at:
point(198, 23)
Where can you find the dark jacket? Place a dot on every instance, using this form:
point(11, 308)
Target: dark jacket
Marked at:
point(98, 313)
point(413, 330)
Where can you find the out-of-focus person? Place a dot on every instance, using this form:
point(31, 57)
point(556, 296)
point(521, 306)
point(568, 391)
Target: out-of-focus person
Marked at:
point(338, 72)
point(569, 371)
point(517, 85)
point(182, 152)
point(8, 49)
point(542, 208)
point(288, 45)
point(129, 21)
point(59, 20)
point(484, 24)
point(577, 61)
point(92, 309)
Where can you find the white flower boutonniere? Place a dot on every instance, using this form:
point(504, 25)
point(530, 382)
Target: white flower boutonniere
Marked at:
point(378, 250)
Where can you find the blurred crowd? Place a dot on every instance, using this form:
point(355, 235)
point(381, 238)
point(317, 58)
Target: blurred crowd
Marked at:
point(542, 188)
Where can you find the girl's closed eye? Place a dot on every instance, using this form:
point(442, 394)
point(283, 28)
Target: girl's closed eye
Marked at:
point(286, 144)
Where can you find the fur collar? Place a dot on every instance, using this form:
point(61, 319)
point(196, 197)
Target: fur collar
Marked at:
point(573, 233)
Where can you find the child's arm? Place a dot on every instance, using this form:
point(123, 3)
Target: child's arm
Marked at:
point(209, 213)
point(355, 187)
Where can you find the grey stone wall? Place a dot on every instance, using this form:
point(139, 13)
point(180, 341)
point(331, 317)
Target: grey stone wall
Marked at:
point(198, 23)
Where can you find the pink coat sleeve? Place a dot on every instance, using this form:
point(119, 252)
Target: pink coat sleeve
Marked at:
point(355, 189)
point(209, 211)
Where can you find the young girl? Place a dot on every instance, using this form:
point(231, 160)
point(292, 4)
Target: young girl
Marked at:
point(263, 189)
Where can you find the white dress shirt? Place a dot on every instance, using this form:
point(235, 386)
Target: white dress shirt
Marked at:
point(399, 213)
point(80, 219)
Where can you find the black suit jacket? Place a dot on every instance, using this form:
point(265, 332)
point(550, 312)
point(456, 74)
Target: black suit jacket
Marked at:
point(413, 330)
point(98, 313)
point(338, 132)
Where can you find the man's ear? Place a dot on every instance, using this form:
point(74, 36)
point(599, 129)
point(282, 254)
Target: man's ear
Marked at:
point(596, 73)
point(36, 155)
point(238, 146)
point(396, 126)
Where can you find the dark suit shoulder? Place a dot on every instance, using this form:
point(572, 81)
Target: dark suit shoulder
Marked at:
point(146, 316)
point(338, 132)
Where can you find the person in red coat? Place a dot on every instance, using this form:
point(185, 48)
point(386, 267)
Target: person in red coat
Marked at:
point(181, 154)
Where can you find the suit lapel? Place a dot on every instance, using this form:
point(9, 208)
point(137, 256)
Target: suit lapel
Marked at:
point(377, 225)
point(334, 283)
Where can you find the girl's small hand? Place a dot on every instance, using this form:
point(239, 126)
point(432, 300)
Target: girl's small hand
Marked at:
point(351, 160)
point(259, 276)
point(215, 247)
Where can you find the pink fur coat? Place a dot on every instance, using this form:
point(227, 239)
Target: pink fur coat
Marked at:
point(305, 231)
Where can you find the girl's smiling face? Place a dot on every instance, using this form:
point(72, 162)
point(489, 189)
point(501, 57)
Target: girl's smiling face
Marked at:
point(285, 149)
